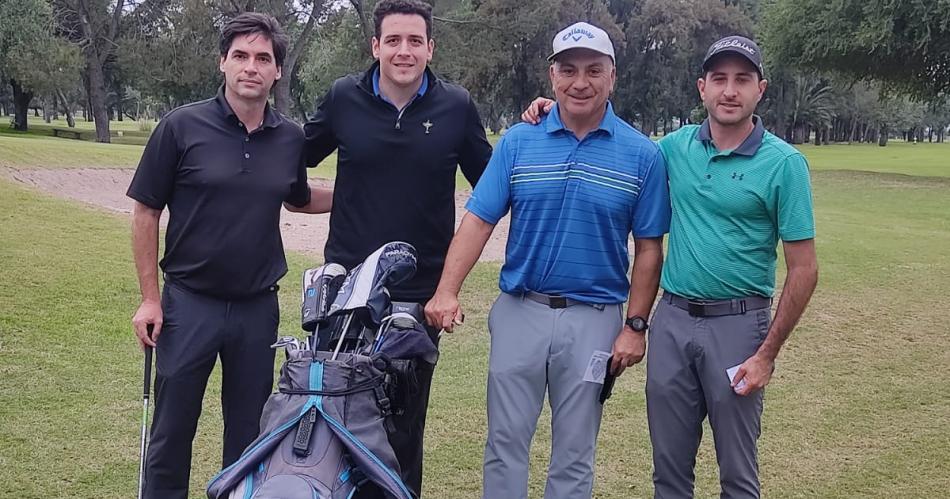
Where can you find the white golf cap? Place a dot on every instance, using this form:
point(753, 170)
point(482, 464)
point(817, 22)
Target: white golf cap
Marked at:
point(582, 36)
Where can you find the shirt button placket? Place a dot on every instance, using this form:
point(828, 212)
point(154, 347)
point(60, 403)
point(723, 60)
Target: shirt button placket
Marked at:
point(247, 154)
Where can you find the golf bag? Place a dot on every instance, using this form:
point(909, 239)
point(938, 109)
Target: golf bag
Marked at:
point(324, 432)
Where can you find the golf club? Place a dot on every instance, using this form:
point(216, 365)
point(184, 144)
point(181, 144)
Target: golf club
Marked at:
point(145, 395)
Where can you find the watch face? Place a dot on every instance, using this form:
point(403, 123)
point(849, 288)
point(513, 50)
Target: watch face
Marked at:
point(637, 323)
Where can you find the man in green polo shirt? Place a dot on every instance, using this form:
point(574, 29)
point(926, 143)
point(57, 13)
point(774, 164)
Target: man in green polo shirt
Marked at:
point(735, 190)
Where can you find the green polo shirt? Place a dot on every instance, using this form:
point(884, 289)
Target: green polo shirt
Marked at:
point(730, 208)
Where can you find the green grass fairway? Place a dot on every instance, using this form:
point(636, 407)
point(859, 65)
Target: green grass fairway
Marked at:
point(35, 151)
point(924, 159)
point(126, 125)
point(859, 405)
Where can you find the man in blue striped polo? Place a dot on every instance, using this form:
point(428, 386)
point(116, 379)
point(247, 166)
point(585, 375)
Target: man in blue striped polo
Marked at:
point(576, 186)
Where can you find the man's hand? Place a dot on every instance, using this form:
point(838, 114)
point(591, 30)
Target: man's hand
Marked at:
point(538, 108)
point(756, 371)
point(443, 311)
point(629, 348)
point(149, 313)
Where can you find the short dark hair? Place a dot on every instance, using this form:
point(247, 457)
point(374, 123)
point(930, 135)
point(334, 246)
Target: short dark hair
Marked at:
point(411, 7)
point(249, 23)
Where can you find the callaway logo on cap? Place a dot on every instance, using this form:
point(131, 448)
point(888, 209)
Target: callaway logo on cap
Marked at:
point(582, 36)
point(735, 45)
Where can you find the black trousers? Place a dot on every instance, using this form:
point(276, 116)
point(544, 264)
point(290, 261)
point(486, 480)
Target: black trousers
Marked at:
point(409, 429)
point(197, 330)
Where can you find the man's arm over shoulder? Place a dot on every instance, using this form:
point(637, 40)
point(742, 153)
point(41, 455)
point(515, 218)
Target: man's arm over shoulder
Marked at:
point(476, 151)
point(320, 139)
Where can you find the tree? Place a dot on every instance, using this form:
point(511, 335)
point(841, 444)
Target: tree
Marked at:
point(171, 57)
point(661, 59)
point(94, 28)
point(32, 60)
point(506, 57)
point(904, 44)
point(811, 108)
point(336, 50)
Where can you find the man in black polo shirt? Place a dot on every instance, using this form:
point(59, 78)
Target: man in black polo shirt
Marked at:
point(223, 167)
point(400, 132)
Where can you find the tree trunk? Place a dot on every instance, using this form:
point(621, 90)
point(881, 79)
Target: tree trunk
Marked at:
point(649, 123)
point(70, 120)
point(97, 94)
point(21, 106)
point(86, 103)
point(95, 62)
point(366, 27)
point(781, 124)
point(282, 99)
point(119, 97)
point(882, 137)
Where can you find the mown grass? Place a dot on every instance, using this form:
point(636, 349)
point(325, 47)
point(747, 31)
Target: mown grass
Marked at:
point(859, 405)
point(36, 149)
point(923, 159)
point(121, 132)
point(127, 125)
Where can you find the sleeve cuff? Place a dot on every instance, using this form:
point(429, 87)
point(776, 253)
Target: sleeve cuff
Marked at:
point(481, 213)
point(145, 199)
point(798, 235)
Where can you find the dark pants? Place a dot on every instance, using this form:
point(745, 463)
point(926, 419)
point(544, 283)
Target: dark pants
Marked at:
point(197, 329)
point(409, 428)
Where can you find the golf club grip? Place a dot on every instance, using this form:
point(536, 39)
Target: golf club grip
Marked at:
point(148, 366)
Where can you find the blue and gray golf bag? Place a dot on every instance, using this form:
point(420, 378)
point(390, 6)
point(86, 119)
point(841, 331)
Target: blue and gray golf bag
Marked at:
point(324, 432)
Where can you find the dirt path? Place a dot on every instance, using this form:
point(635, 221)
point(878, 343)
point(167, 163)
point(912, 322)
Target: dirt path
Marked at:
point(105, 188)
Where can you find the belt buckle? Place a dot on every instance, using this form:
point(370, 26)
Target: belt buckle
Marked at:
point(696, 309)
point(557, 302)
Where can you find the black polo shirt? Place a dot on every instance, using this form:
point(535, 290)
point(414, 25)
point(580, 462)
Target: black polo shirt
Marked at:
point(395, 178)
point(224, 189)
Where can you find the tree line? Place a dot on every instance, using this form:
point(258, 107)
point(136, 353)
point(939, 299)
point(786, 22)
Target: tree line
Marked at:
point(846, 71)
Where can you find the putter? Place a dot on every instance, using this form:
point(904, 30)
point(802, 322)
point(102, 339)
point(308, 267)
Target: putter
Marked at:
point(145, 395)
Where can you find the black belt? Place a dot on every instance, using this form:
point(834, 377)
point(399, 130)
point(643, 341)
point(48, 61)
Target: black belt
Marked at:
point(273, 288)
point(555, 301)
point(717, 308)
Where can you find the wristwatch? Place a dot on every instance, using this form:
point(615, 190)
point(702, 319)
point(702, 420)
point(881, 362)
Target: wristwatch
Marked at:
point(637, 323)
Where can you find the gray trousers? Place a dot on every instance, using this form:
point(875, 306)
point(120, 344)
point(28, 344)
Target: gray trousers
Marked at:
point(537, 349)
point(687, 360)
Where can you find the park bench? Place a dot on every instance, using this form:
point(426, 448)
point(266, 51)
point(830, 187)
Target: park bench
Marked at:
point(67, 133)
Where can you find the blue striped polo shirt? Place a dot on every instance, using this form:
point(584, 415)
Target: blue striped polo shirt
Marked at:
point(573, 205)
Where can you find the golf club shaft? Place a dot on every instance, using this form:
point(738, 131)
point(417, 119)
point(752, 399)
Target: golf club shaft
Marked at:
point(346, 327)
point(147, 388)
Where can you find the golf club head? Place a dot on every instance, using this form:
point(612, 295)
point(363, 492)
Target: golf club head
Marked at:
point(319, 290)
point(366, 285)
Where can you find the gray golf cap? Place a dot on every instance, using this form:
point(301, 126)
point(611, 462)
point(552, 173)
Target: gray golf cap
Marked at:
point(582, 36)
point(735, 45)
